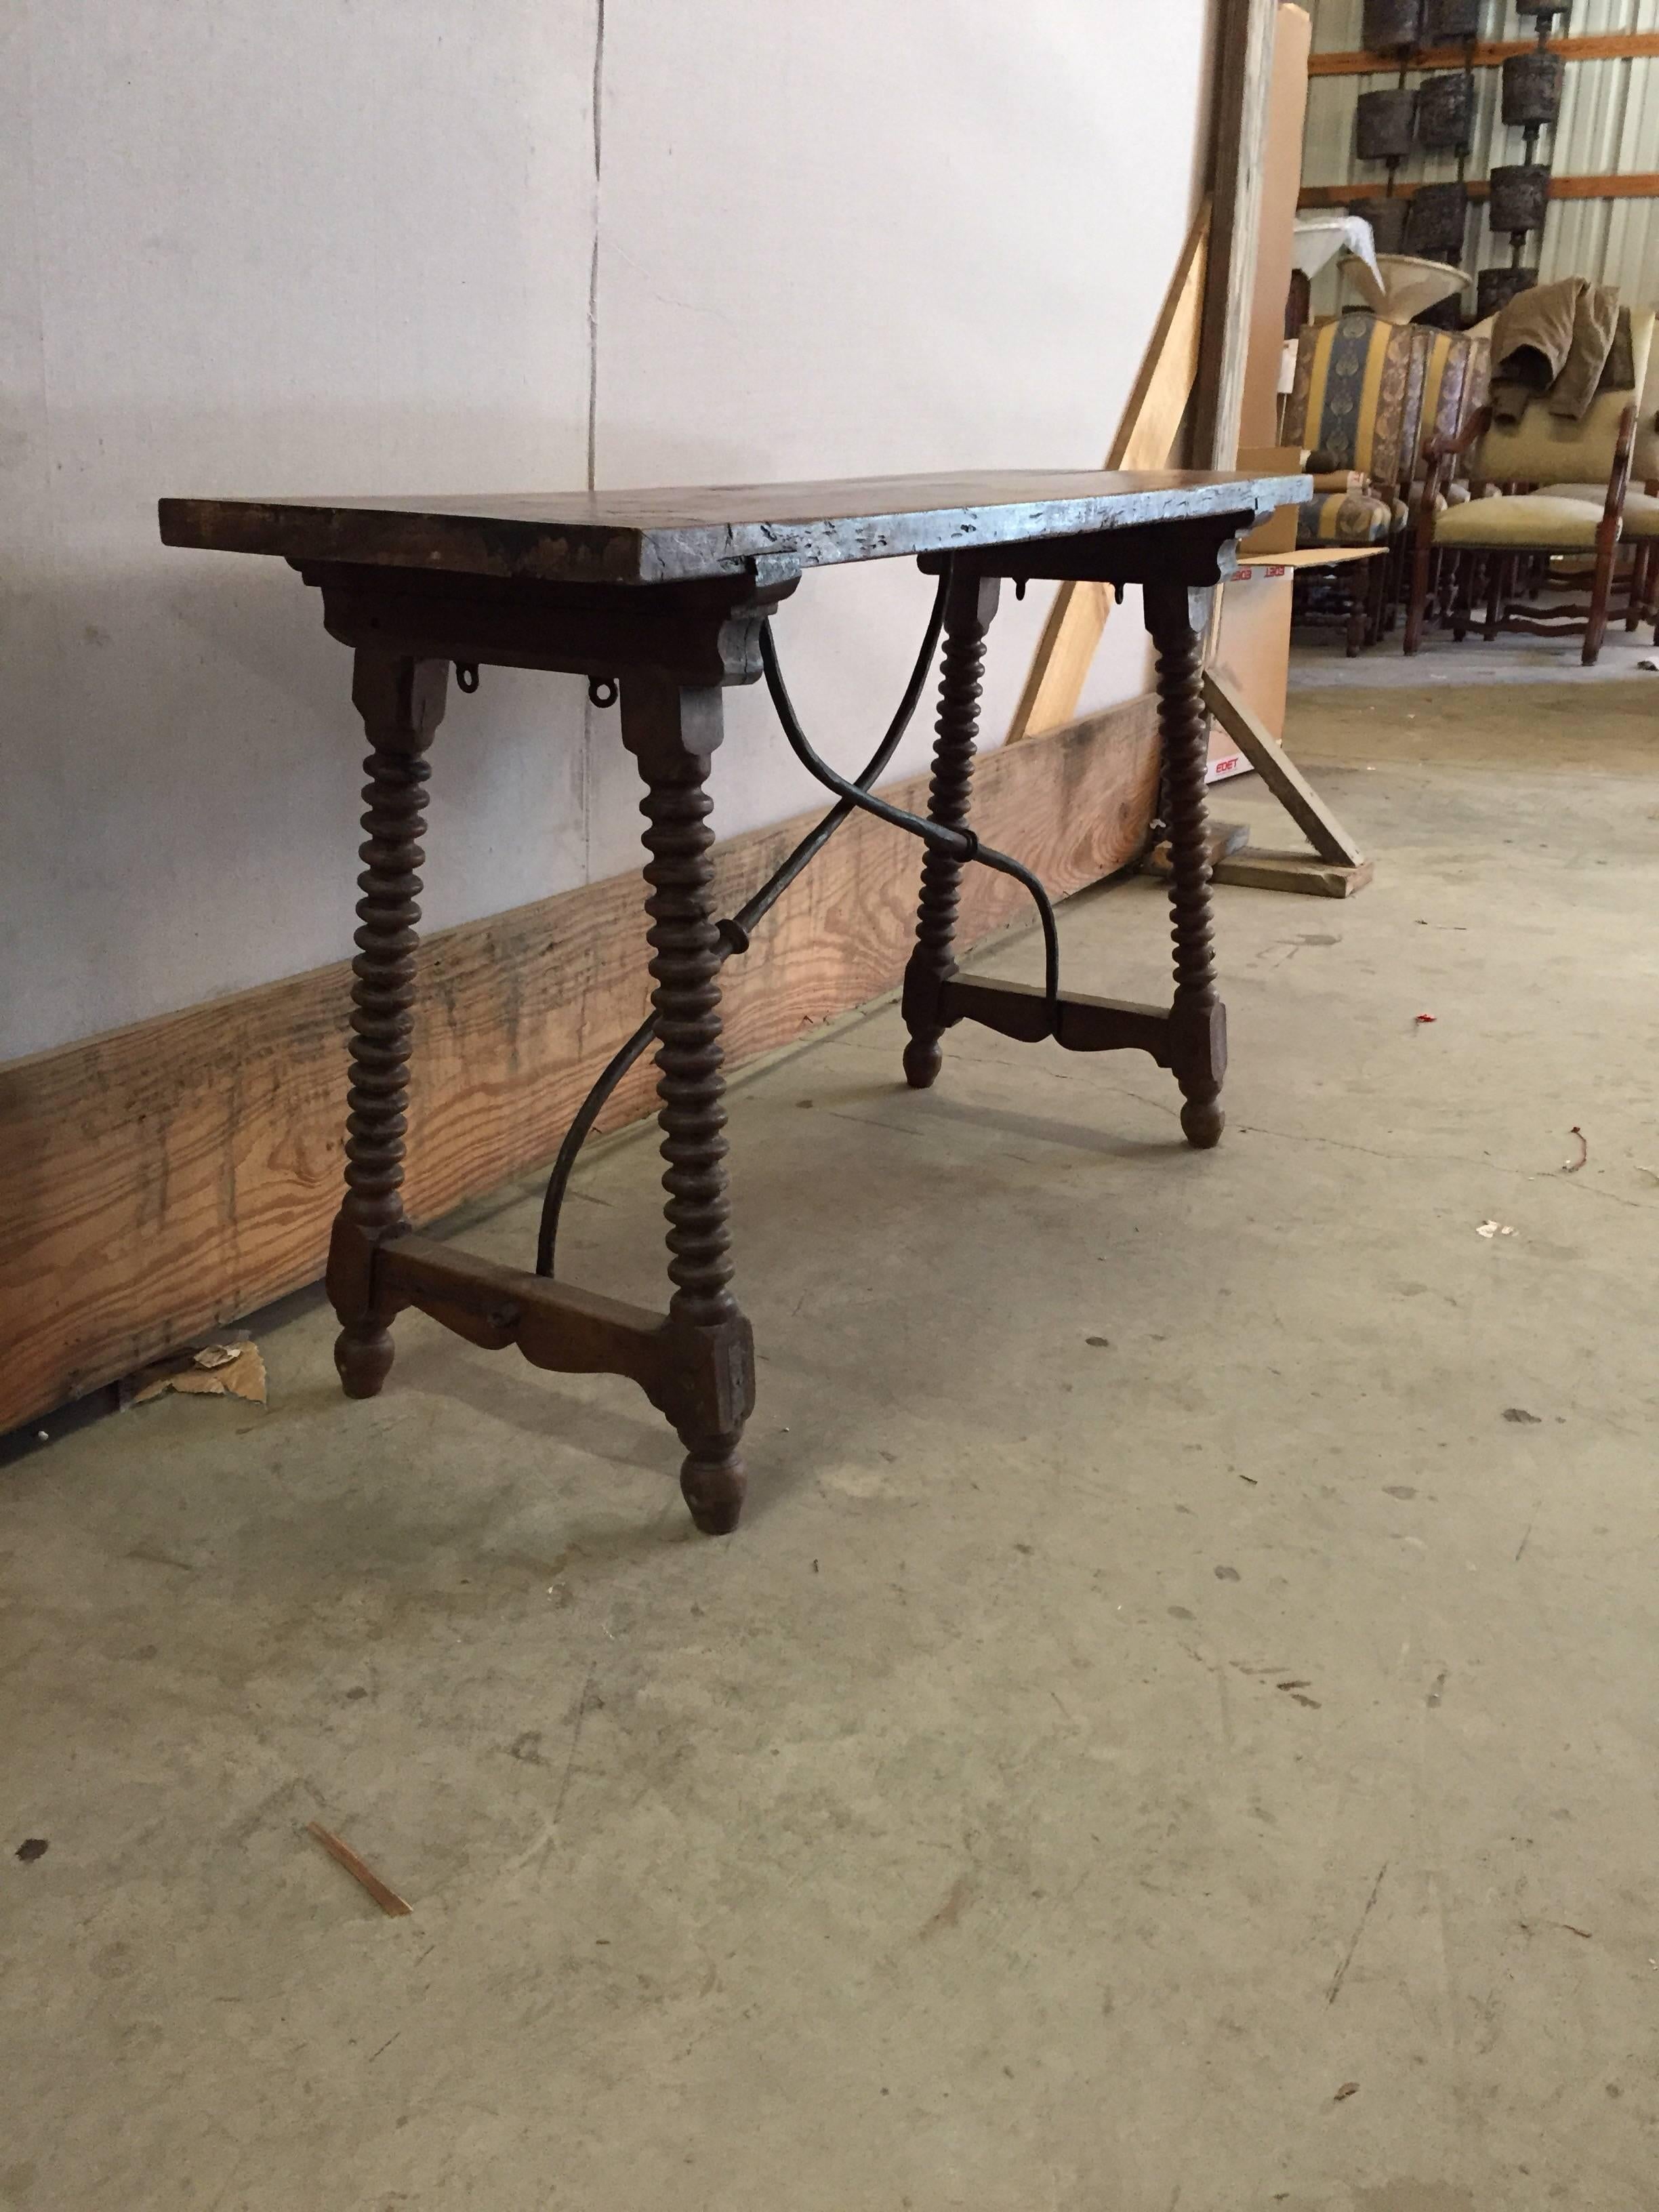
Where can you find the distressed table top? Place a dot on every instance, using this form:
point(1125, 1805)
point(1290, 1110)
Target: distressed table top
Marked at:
point(673, 536)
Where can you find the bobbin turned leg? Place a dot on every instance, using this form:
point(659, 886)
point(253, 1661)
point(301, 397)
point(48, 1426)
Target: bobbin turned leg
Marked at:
point(401, 701)
point(969, 606)
point(671, 731)
point(1198, 1022)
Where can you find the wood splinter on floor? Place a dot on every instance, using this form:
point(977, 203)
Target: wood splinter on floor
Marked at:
point(385, 1897)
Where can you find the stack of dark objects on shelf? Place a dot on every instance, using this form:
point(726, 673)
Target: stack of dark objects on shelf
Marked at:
point(1438, 116)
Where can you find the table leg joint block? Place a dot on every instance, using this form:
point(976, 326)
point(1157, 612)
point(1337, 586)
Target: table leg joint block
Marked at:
point(1020, 1010)
point(700, 1378)
point(1197, 1046)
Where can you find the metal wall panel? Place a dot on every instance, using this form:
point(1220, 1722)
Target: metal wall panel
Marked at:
point(1609, 123)
point(1336, 26)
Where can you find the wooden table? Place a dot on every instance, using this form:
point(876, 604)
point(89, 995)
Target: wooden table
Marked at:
point(666, 592)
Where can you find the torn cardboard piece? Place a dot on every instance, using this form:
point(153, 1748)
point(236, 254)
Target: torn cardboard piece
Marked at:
point(228, 1369)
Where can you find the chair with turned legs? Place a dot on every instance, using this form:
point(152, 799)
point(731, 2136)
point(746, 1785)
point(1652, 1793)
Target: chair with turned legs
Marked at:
point(1449, 387)
point(1640, 538)
point(1491, 544)
point(1354, 406)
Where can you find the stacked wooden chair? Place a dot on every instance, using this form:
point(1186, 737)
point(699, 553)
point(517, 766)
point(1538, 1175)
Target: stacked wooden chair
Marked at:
point(1351, 410)
point(1448, 386)
point(1640, 538)
point(1566, 494)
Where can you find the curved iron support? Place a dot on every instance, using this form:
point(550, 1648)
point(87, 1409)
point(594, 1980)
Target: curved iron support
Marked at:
point(736, 929)
point(954, 844)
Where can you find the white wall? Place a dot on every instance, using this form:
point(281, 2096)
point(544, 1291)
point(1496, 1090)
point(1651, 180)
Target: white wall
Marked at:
point(303, 247)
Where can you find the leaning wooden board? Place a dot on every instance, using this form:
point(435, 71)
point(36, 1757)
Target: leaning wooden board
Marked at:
point(1196, 355)
point(162, 1179)
point(1145, 438)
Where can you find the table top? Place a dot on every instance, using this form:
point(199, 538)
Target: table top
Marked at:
point(675, 535)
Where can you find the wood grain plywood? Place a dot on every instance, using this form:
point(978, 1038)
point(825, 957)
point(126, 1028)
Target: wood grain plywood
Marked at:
point(158, 1180)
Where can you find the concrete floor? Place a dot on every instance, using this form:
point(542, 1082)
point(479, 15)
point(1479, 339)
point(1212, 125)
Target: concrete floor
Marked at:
point(1192, 1647)
point(1319, 663)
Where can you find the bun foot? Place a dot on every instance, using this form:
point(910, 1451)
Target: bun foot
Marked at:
point(714, 1486)
point(1203, 1120)
point(922, 1062)
point(364, 1359)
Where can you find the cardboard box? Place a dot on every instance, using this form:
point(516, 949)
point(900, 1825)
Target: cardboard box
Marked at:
point(1278, 533)
point(1253, 652)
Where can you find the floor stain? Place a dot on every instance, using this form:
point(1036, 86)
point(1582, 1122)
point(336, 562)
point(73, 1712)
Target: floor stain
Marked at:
point(951, 1910)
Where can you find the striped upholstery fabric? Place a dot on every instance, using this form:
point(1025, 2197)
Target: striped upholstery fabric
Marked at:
point(1449, 370)
point(1357, 400)
point(1453, 367)
point(1352, 518)
point(1353, 377)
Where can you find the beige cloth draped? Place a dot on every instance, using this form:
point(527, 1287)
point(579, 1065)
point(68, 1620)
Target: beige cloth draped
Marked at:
point(1558, 338)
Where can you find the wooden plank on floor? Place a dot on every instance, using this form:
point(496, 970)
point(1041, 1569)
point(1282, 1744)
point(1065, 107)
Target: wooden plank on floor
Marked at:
point(1294, 871)
point(160, 1180)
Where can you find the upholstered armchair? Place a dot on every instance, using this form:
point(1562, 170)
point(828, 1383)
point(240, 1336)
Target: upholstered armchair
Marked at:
point(1354, 380)
point(1354, 408)
point(1641, 531)
point(1455, 374)
point(1508, 535)
point(1449, 382)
